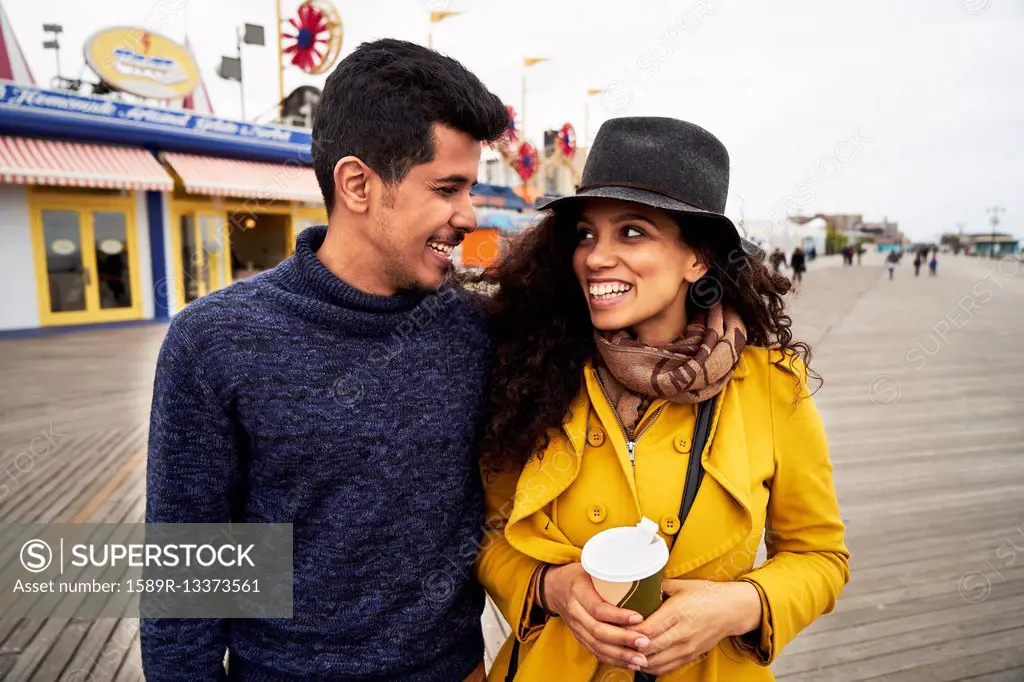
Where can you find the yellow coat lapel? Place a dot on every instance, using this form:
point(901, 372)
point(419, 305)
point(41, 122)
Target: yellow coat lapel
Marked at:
point(529, 528)
point(723, 500)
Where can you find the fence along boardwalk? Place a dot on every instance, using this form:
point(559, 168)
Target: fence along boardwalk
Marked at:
point(929, 466)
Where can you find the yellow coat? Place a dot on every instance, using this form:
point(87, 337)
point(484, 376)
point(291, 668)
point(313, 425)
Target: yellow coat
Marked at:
point(767, 465)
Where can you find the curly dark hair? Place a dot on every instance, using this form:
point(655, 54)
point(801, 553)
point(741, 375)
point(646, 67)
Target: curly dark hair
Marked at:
point(544, 336)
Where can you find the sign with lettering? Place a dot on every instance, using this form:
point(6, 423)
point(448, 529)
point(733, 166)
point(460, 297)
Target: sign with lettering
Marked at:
point(141, 62)
point(26, 99)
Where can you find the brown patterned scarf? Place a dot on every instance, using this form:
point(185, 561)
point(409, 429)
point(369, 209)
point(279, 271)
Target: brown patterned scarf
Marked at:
point(691, 369)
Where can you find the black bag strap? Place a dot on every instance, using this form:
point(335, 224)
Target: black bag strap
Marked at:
point(694, 477)
point(513, 662)
point(694, 470)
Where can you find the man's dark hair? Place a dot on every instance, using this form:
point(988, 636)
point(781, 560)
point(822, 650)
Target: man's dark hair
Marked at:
point(381, 102)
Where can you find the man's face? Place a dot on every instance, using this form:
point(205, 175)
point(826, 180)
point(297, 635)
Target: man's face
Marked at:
point(418, 223)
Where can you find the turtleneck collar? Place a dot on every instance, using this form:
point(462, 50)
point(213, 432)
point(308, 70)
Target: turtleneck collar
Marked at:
point(306, 282)
point(310, 277)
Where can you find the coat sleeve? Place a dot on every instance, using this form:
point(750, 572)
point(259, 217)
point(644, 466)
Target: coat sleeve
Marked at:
point(191, 472)
point(808, 562)
point(506, 573)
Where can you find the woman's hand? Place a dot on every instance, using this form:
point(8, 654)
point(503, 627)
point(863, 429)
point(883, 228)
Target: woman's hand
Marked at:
point(569, 592)
point(697, 616)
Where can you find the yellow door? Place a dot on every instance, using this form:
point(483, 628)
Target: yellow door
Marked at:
point(203, 256)
point(304, 217)
point(86, 259)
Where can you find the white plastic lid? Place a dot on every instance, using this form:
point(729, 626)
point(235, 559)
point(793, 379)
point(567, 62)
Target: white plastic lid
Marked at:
point(625, 554)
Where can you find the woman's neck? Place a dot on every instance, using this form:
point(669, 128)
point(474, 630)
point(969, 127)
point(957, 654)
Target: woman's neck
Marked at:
point(664, 327)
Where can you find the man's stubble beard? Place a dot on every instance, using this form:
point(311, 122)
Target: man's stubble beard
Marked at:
point(398, 275)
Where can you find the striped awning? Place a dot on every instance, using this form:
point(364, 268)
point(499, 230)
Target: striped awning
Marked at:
point(28, 161)
point(245, 179)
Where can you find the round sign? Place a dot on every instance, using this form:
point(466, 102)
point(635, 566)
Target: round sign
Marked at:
point(142, 63)
point(63, 247)
point(111, 247)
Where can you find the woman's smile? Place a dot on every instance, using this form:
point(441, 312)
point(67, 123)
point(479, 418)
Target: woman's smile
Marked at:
point(607, 293)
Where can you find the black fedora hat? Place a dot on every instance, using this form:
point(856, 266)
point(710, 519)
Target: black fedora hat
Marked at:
point(660, 162)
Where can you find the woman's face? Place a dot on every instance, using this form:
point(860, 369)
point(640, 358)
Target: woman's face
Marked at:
point(634, 268)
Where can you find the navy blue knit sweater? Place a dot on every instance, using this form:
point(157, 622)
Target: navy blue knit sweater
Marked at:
point(294, 398)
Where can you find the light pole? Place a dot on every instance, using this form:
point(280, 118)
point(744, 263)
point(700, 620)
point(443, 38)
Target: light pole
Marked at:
point(280, 61)
point(994, 211)
point(586, 114)
point(435, 18)
point(527, 63)
point(54, 42)
point(231, 67)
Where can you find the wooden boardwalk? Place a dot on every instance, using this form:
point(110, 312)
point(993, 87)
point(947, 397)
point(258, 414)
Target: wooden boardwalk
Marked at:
point(922, 403)
point(929, 462)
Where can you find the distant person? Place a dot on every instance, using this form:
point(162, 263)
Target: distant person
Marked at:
point(812, 253)
point(777, 260)
point(860, 252)
point(933, 264)
point(918, 262)
point(890, 262)
point(798, 263)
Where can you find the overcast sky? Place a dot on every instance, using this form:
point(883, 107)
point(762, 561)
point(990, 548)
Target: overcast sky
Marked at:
point(906, 109)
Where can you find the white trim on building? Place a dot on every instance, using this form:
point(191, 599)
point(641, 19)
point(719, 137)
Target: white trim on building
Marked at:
point(20, 309)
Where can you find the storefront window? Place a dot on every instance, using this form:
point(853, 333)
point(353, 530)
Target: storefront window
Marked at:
point(62, 235)
point(213, 251)
point(110, 233)
point(258, 243)
point(191, 262)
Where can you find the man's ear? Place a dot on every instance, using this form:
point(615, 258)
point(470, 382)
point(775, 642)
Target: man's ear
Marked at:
point(352, 184)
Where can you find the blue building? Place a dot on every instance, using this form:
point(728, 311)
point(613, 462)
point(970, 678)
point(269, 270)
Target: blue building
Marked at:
point(987, 245)
point(113, 211)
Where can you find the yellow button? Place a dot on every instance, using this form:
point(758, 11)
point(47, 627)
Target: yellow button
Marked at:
point(596, 513)
point(682, 444)
point(669, 525)
point(595, 438)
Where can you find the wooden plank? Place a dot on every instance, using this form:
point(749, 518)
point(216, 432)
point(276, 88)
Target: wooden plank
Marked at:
point(935, 654)
point(1015, 674)
point(51, 499)
point(99, 497)
point(90, 650)
point(54, 655)
point(938, 614)
point(62, 464)
point(834, 626)
point(131, 667)
point(120, 654)
point(977, 667)
point(908, 634)
point(19, 636)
